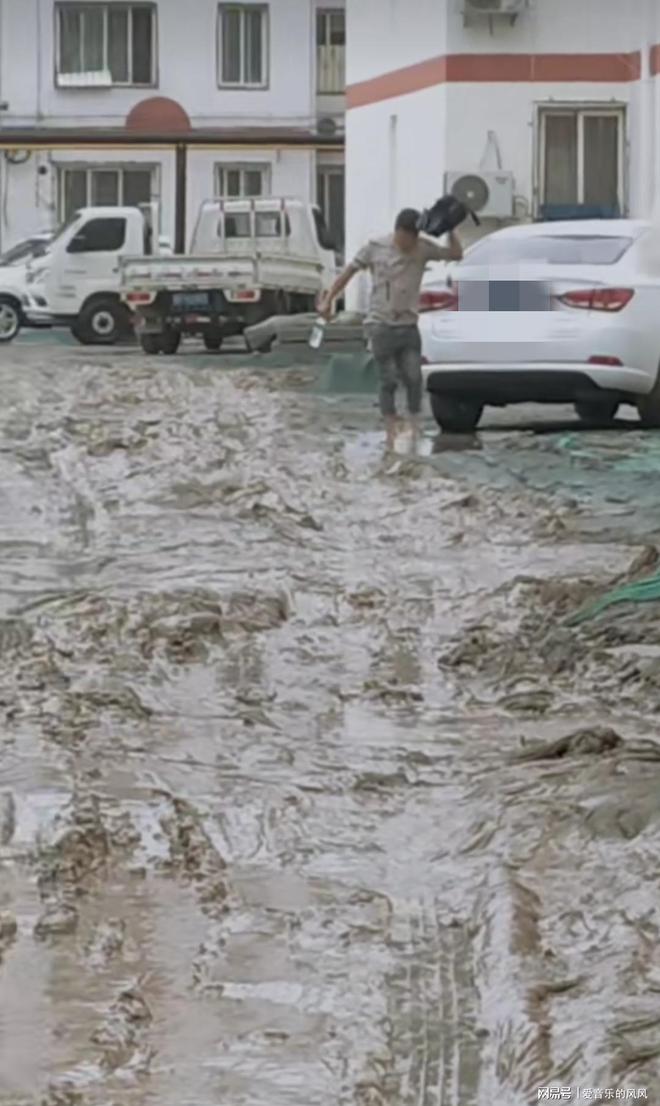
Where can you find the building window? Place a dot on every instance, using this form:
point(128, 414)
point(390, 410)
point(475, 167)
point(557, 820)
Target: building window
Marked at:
point(105, 44)
point(581, 153)
point(103, 186)
point(331, 51)
point(242, 180)
point(330, 198)
point(243, 45)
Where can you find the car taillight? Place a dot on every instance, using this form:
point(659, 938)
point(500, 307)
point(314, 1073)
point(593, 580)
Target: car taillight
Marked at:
point(598, 299)
point(139, 297)
point(438, 301)
point(603, 359)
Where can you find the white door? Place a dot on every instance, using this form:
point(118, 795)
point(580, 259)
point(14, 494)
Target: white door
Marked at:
point(87, 263)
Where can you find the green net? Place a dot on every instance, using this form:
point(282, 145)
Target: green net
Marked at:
point(644, 591)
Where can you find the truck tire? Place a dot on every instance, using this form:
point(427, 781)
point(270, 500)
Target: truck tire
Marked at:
point(649, 406)
point(212, 339)
point(151, 343)
point(101, 323)
point(597, 412)
point(170, 341)
point(11, 318)
point(455, 414)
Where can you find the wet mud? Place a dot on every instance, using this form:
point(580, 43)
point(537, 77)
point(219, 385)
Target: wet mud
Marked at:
point(311, 795)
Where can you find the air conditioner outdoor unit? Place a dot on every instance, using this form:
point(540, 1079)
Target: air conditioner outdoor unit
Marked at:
point(507, 8)
point(489, 195)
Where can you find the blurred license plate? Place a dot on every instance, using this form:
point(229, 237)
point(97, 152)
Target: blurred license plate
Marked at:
point(191, 301)
point(504, 295)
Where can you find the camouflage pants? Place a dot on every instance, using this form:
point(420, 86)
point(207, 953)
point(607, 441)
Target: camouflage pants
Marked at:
point(397, 352)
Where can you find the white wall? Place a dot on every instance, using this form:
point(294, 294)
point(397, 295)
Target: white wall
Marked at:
point(383, 35)
point(549, 27)
point(187, 68)
point(396, 159)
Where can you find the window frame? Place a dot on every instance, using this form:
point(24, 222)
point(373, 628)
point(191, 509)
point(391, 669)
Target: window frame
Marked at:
point(220, 167)
point(62, 6)
point(103, 167)
point(325, 13)
point(581, 111)
point(242, 6)
point(324, 170)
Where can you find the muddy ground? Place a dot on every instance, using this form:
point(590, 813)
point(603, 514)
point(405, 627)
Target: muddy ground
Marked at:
point(309, 794)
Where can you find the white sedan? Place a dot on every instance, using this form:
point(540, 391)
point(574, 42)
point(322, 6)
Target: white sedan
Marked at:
point(564, 312)
point(13, 276)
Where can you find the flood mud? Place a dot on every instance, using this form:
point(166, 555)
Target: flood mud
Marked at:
point(311, 792)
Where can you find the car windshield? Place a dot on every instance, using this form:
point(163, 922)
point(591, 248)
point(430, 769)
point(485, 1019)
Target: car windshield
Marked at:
point(550, 249)
point(65, 226)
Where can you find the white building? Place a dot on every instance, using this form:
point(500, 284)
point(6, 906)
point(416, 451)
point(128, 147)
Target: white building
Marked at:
point(555, 106)
point(122, 102)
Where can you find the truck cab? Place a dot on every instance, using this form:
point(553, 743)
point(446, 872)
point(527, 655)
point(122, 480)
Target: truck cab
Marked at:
point(80, 278)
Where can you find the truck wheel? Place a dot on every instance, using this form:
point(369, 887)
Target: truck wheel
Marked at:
point(455, 414)
point(649, 406)
point(212, 340)
point(101, 323)
point(170, 342)
point(597, 412)
point(11, 319)
point(151, 343)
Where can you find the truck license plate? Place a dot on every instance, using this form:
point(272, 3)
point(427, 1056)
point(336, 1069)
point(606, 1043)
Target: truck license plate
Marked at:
point(190, 301)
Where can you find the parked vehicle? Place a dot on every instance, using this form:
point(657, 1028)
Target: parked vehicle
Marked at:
point(563, 312)
point(249, 260)
point(13, 272)
point(77, 283)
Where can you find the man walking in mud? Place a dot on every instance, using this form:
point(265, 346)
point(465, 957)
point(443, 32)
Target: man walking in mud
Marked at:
point(396, 263)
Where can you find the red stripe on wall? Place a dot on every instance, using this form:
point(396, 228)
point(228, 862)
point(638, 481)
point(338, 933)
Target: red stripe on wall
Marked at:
point(456, 68)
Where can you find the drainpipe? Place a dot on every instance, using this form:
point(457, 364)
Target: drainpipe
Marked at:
point(180, 198)
point(3, 107)
point(38, 51)
point(652, 37)
point(645, 162)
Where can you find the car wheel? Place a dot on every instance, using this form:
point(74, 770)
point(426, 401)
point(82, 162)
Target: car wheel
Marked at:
point(151, 343)
point(212, 340)
point(11, 319)
point(170, 342)
point(649, 406)
point(101, 323)
point(455, 414)
point(596, 412)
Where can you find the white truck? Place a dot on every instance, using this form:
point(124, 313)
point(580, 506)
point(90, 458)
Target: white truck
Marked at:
point(76, 283)
point(249, 260)
point(108, 275)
